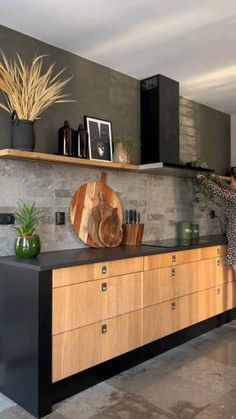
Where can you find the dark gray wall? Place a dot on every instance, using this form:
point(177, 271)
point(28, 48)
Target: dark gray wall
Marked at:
point(108, 94)
point(98, 91)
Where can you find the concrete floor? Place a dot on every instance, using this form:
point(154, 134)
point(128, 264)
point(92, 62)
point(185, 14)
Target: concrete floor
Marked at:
point(194, 380)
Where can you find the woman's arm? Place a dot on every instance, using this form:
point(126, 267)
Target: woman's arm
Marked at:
point(220, 182)
point(211, 186)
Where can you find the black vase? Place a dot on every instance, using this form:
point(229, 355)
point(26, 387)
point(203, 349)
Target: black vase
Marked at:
point(22, 133)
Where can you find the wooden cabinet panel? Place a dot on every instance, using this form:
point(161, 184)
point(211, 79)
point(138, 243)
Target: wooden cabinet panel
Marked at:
point(64, 309)
point(87, 346)
point(167, 283)
point(170, 259)
point(166, 318)
point(230, 295)
point(207, 273)
point(212, 252)
point(178, 314)
point(206, 304)
point(223, 273)
point(151, 323)
point(122, 334)
point(64, 355)
point(216, 300)
point(100, 300)
point(75, 351)
point(83, 273)
point(82, 304)
point(213, 272)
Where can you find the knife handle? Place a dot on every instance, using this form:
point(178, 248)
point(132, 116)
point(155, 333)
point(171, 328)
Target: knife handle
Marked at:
point(126, 217)
point(135, 216)
point(131, 216)
point(138, 218)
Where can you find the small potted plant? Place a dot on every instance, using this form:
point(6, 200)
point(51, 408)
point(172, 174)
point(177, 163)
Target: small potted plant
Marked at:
point(123, 147)
point(27, 244)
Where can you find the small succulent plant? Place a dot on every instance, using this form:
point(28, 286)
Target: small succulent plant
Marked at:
point(27, 215)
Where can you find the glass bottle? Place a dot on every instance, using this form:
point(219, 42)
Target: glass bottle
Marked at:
point(65, 140)
point(81, 145)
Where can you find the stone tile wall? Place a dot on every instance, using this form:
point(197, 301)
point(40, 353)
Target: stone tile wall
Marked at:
point(189, 126)
point(204, 134)
point(162, 200)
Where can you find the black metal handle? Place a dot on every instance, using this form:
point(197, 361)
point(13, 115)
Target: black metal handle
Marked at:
point(173, 258)
point(218, 251)
point(172, 272)
point(104, 270)
point(218, 291)
point(218, 262)
point(104, 286)
point(173, 306)
point(104, 328)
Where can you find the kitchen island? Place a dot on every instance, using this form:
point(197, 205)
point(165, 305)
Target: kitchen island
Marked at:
point(70, 319)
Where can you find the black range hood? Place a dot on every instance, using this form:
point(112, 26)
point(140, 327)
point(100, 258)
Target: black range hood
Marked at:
point(160, 120)
point(160, 150)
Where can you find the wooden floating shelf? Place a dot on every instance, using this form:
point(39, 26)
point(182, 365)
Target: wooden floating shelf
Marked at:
point(10, 153)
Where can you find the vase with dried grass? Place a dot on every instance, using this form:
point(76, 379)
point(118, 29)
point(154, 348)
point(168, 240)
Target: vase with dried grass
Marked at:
point(28, 91)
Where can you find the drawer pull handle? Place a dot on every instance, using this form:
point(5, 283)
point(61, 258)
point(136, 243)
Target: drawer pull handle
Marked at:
point(104, 270)
point(218, 251)
point(173, 306)
point(218, 262)
point(218, 291)
point(173, 258)
point(104, 328)
point(172, 272)
point(104, 286)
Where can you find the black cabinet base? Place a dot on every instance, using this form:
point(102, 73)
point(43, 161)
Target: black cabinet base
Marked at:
point(79, 382)
point(26, 338)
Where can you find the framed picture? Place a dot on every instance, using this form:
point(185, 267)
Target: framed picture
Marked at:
point(99, 138)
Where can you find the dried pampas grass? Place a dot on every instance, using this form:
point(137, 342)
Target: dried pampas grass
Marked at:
point(27, 90)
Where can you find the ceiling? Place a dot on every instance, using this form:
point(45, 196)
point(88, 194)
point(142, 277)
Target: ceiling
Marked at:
point(191, 41)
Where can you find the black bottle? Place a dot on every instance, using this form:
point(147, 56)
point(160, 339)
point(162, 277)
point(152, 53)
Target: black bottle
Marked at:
point(81, 143)
point(65, 140)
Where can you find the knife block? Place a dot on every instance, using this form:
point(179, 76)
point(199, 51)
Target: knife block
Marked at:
point(132, 234)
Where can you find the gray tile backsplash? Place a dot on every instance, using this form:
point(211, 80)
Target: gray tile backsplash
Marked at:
point(162, 200)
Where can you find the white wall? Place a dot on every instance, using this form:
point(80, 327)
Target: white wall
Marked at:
point(233, 139)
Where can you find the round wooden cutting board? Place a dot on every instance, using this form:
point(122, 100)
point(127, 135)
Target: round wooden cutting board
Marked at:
point(91, 204)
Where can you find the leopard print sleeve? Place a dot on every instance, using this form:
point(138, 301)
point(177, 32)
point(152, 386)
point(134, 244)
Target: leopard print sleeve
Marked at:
point(220, 182)
point(215, 189)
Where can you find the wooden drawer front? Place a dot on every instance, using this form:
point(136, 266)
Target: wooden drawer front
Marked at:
point(99, 300)
point(170, 259)
point(225, 297)
point(167, 283)
point(231, 295)
point(123, 333)
point(216, 300)
point(81, 304)
point(212, 272)
point(212, 252)
point(87, 346)
point(166, 318)
point(64, 309)
point(75, 351)
point(83, 273)
point(178, 314)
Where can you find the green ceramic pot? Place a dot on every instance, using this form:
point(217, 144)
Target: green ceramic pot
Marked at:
point(27, 247)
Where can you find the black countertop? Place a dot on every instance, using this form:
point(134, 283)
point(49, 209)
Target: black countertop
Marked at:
point(64, 258)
